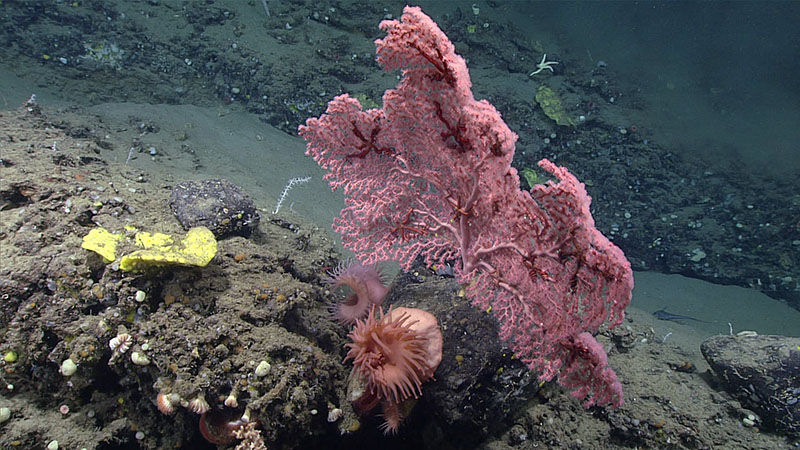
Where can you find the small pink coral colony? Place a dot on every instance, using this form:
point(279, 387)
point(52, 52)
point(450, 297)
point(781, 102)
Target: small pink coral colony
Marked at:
point(430, 174)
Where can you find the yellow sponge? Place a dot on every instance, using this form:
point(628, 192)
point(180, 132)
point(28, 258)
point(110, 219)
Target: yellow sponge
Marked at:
point(147, 240)
point(197, 248)
point(102, 242)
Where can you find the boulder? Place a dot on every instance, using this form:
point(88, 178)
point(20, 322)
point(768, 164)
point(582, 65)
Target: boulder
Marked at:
point(763, 373)
point(216, 204)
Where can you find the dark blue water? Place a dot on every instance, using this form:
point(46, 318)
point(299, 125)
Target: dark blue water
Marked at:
point(720, 78)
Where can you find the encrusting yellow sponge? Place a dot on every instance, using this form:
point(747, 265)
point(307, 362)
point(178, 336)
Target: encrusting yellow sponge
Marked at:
point(197, 248)
point(102, 242)
point(147, 241)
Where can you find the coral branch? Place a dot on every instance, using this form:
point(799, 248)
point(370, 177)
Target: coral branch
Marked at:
point(434, 179)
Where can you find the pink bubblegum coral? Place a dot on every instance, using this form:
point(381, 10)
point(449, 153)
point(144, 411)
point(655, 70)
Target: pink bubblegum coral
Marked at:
point(430, 174)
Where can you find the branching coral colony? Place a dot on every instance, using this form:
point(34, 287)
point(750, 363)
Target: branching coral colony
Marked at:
point(430, 175)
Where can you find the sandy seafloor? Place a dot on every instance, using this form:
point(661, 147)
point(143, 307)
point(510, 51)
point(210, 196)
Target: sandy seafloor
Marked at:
point(228, 141)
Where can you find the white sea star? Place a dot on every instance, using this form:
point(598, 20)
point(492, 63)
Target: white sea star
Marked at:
point(543, 65)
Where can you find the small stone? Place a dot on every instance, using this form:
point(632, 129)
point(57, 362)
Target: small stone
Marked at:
point(140, 296)
point(697, 255)
point(140, 359)
point(262, 369)
point(53, 445)
point(5, 414)
point(68, 367)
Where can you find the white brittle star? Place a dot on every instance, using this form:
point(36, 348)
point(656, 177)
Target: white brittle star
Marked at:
point(543, 65)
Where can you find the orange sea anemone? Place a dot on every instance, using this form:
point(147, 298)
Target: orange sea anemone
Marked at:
point(394, 354)
point(366, 290)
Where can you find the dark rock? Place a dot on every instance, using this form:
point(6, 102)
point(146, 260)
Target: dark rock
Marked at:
point(216, 204)
point(763, 373)
point(480, 384)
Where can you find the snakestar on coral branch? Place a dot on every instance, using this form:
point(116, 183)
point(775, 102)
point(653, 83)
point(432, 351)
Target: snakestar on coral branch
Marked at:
point(543, 65)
